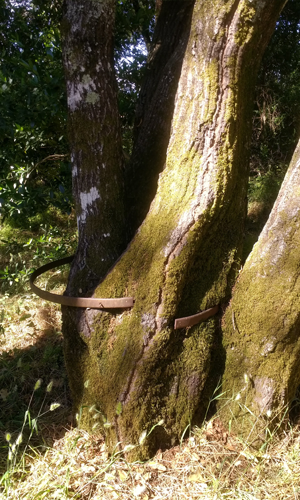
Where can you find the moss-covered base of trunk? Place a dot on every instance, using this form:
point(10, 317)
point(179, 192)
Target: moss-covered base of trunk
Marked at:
point(135, 369)
point(172, 384)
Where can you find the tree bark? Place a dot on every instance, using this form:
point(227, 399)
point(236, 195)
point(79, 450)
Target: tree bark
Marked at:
point(261, 325)
point(155, 108)
point(184, 258)
point(95, 140)
point(97, 164)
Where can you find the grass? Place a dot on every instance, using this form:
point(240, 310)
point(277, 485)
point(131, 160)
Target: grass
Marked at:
point(54, 460)
point(31, 343)
point(210, 464)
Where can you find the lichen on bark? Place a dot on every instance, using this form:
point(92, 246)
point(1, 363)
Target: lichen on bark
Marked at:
point(95, 140)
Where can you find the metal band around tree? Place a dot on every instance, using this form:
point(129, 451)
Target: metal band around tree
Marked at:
point(86, 302)
point(196, 318)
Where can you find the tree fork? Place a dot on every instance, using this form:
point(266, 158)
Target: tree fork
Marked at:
point(185, 255)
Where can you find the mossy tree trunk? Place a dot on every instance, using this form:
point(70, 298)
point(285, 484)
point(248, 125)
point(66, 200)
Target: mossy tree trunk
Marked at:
point(155, 108)
point(185, 256)
point(262, 324)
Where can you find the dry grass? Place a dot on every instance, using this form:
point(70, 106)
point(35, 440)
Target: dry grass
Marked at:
point(77, 466)
point(26, 320)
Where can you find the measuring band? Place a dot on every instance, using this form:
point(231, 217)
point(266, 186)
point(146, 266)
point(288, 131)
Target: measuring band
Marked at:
point(96, 303)
point(196, 318)
point(90, 302)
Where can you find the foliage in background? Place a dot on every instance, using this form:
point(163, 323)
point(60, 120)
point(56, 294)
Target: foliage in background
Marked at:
point(34, 166)
point(276, 121)
point(23, 251)
point(133, 34)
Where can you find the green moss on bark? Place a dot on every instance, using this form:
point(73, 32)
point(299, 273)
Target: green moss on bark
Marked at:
point(261, 326)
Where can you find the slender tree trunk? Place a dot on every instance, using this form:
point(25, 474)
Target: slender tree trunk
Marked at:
point(97, 164)
point(95, 140)
point(184, 258)
point(261, 325)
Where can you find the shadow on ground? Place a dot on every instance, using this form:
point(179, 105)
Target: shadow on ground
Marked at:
point(20, 371)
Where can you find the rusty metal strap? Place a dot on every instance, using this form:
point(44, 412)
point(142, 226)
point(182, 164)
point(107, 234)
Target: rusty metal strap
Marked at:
point(91, 302)
point(196, 318)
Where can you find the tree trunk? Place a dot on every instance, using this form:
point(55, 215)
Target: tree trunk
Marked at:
point(95, 140)
point(185, 256)
point(155, 108)
point(261, 325)
point(97, 163)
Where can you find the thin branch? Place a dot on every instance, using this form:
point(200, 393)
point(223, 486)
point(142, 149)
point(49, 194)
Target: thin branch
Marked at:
point(54, 157)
